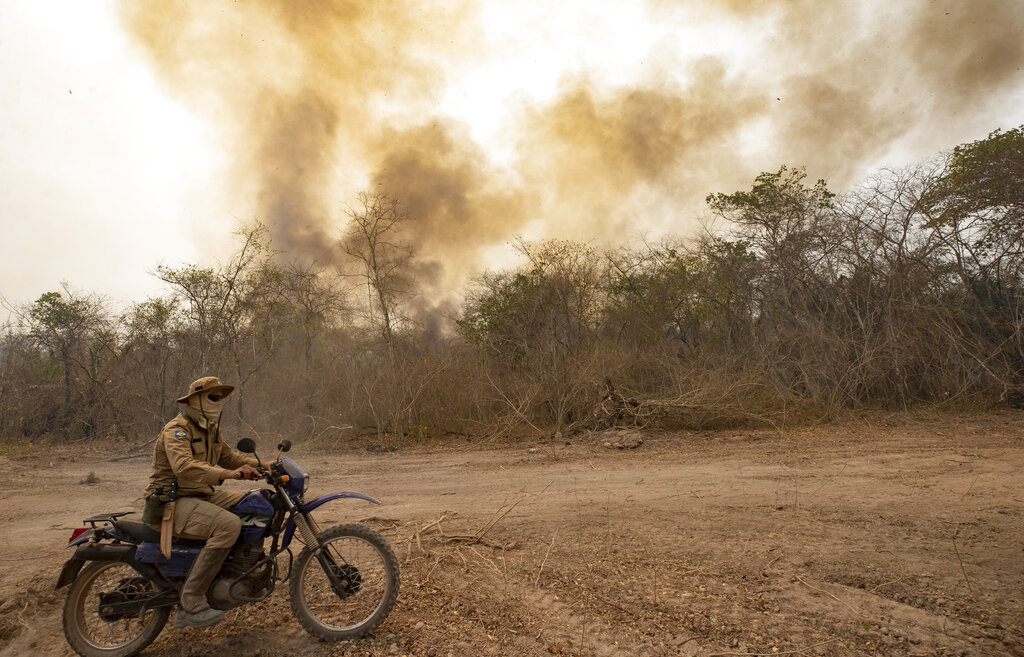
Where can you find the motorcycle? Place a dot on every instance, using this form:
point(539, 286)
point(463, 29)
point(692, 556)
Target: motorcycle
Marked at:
point(342, 584)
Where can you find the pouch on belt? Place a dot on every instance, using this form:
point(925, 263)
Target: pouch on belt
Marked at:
point(153, 512)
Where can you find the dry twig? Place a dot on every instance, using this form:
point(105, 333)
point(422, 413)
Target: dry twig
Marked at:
point(960, 559)
point(970, 487)
point(536, 580)
point(468, 539)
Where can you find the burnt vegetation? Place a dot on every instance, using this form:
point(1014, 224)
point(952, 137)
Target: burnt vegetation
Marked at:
point(793, 303)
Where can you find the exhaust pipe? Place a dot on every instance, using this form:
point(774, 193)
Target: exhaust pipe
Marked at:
point(105, 552)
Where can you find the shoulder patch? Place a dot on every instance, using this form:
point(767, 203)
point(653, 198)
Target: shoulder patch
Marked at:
point(180, 433)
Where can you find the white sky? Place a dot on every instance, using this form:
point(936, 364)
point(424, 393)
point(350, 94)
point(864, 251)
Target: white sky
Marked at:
point(103, 175)
point(98, 168)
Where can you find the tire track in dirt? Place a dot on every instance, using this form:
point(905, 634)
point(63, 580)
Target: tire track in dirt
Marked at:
point(691, 544)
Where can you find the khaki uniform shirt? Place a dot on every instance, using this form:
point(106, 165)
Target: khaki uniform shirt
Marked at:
point(194, 456)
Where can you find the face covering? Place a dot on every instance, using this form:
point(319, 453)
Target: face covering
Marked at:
point(209, 410)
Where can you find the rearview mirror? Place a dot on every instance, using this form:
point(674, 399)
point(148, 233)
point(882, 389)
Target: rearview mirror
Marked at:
point(284, 445)
point(247, 445)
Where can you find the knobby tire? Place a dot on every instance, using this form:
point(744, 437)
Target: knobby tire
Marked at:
point(81, 609)
point(370, 569)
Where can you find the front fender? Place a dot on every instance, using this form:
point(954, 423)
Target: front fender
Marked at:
point(306, 507)
point(323, 499)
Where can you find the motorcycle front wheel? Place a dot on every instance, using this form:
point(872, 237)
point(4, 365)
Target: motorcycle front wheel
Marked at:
point(359, 592)
point(93, 624)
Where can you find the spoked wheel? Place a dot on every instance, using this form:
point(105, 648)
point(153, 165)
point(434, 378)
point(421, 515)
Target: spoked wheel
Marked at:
point(345, 590)
point(99, 619)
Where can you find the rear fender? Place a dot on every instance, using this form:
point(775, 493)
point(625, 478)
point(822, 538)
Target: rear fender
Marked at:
point(289, 528)
point(124, 552)
point(69, 572)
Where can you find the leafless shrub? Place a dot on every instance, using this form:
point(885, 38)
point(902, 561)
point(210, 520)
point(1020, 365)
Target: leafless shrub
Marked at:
point(907, 290)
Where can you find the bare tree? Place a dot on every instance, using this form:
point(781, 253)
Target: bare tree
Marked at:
point(373, 241)
point(238, 309)
point(317, 298)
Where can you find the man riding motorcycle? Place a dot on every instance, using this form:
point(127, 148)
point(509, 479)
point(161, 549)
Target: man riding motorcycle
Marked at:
point(191, 455)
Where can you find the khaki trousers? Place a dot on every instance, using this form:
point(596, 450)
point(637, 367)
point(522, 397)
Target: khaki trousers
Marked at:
point(208, 519)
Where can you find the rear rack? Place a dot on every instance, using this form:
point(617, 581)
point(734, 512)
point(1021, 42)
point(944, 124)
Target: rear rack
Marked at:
point(104, 518)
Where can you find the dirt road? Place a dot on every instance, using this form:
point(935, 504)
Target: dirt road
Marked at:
point(894, 536)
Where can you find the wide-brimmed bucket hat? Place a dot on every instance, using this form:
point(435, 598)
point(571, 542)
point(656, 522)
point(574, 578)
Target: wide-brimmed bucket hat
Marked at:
point(206, 384)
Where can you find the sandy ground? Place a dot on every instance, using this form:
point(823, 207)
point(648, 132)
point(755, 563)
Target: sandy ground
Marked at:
point(889, 535)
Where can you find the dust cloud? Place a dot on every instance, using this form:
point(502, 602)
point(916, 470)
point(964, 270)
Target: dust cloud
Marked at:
point(318, 101)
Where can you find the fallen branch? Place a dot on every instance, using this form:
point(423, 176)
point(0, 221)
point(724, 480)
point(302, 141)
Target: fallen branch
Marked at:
point(380, 519)
point(466, 539)
point(772, 654)
point(970, 487)
point(848, 605)
point(493, 565)
point(415, 536)
point(605, 600)
point(21, 617)
point(135, 453)
point(474, 540)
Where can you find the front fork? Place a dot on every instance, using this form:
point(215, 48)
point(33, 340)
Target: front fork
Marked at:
point(308, 529)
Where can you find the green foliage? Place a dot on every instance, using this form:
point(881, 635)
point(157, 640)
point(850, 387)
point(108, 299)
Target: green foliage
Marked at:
point(549, 305)
point(153, 319)
point(977, 204)
point(58, 320)
point(503, 305)
point(680, 292)
point(983, 178)
point(794, 230)
point(778, 203)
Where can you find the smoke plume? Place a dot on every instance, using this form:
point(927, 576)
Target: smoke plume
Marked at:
point(320, 100)
point(845, 80)
point(593, 151)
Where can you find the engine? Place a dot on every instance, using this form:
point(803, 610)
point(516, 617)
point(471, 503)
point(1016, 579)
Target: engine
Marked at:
point(235, 584)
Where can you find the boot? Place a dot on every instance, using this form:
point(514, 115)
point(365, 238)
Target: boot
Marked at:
point(194, 610)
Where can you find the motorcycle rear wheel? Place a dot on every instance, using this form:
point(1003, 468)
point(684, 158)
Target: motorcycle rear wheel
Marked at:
point(368, 569)
point(91, 634)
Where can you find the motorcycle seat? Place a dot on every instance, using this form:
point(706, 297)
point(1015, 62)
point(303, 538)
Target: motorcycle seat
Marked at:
point(140, 531)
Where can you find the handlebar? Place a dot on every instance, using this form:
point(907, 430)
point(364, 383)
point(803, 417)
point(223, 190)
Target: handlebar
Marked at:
point(241, 475)
point(267, 474)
